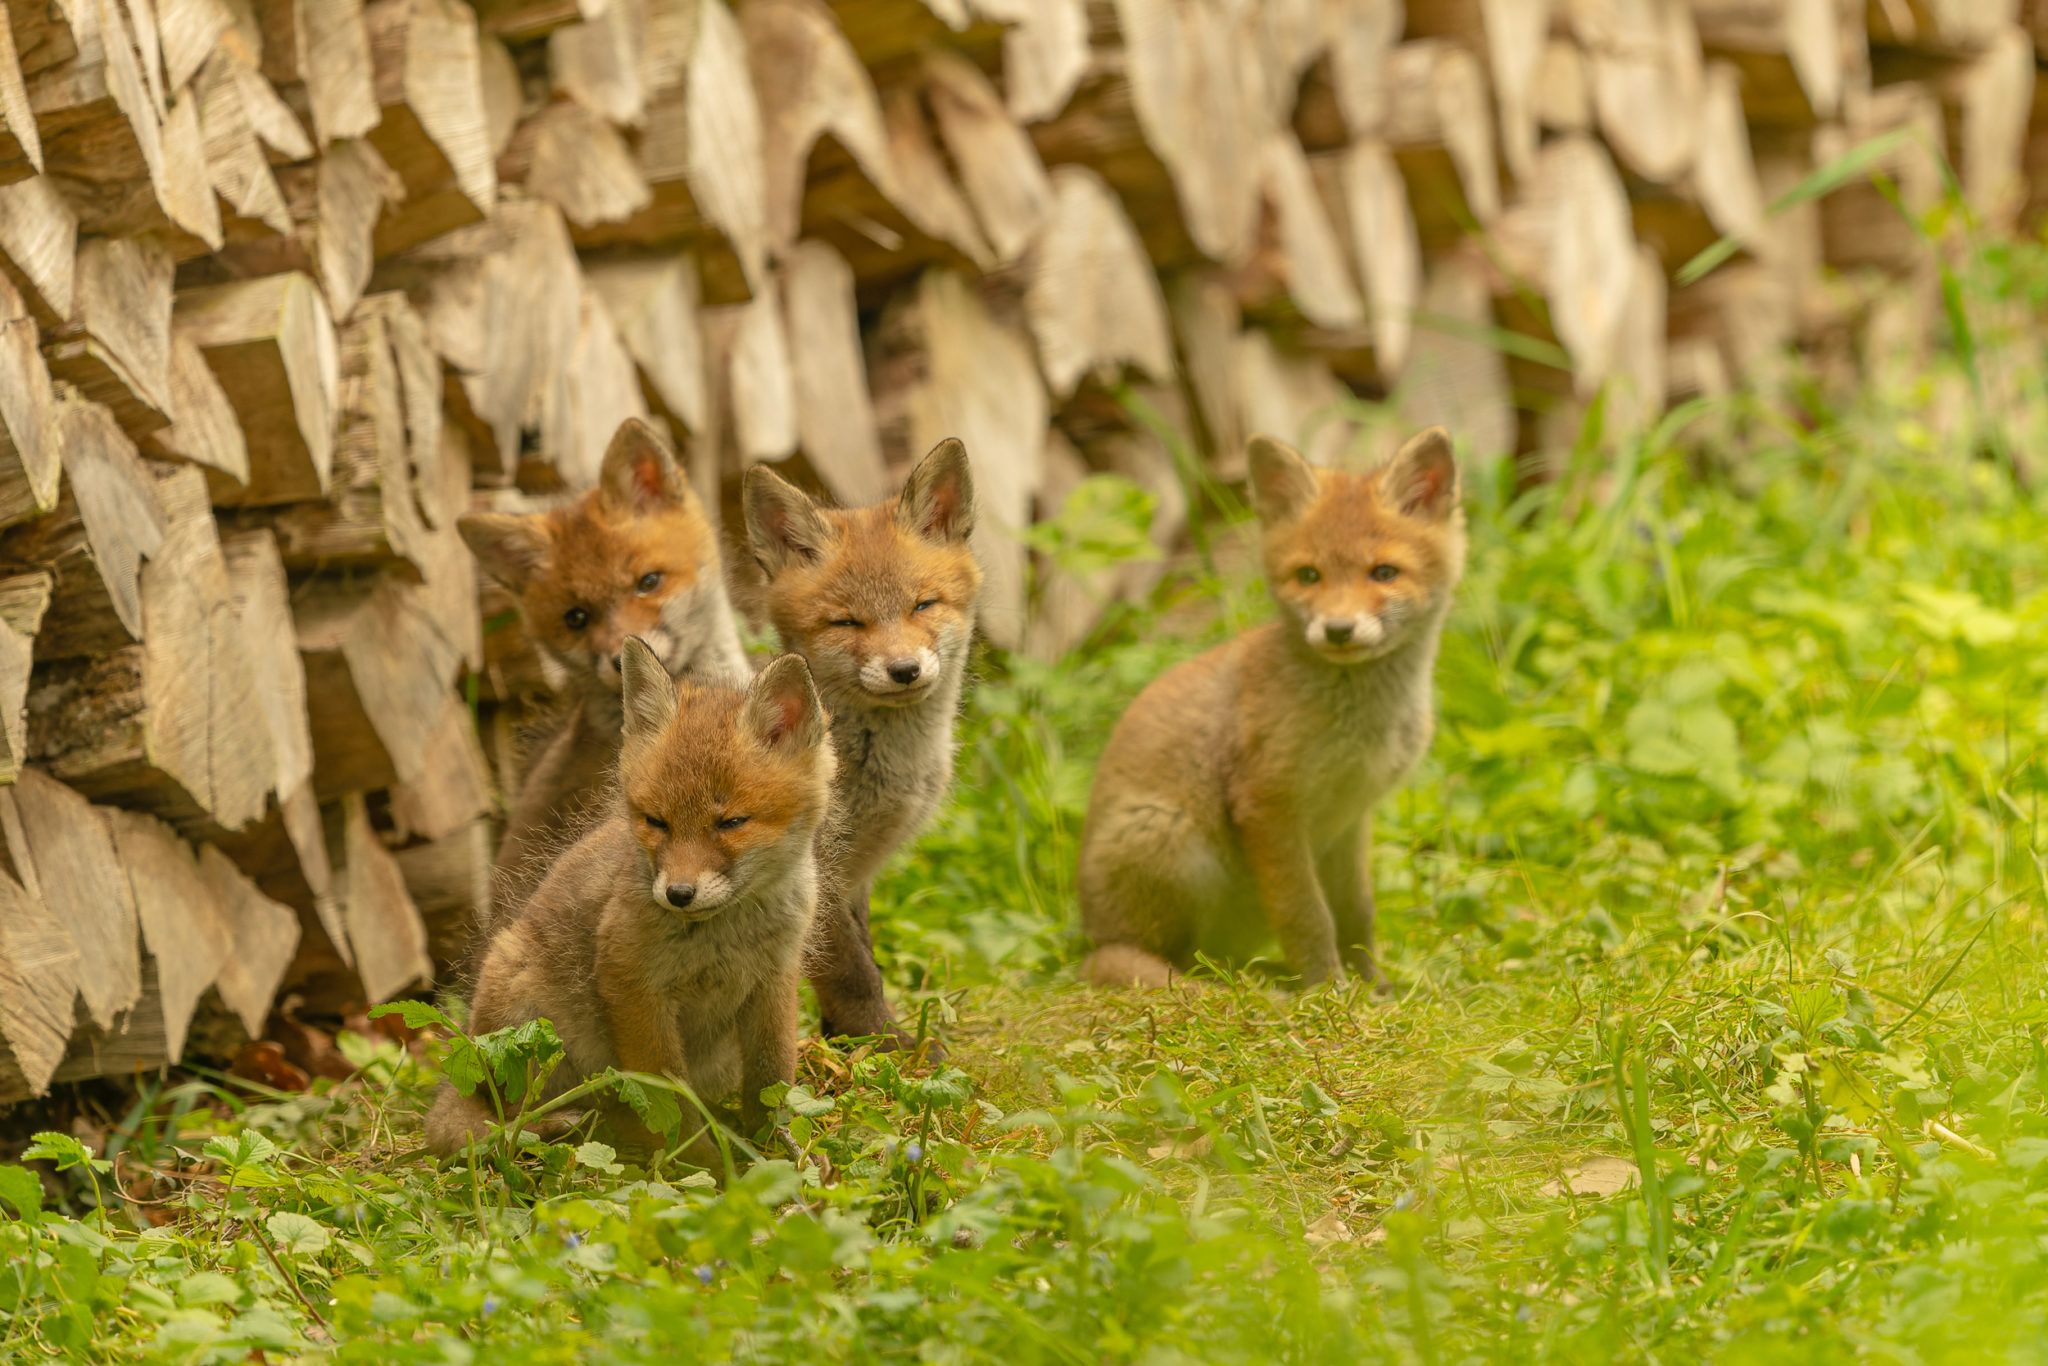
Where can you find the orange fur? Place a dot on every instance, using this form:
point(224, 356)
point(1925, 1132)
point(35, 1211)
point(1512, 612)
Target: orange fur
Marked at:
point(1234, 798)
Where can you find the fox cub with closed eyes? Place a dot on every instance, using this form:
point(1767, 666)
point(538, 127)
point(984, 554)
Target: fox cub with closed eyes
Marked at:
point(880, 602)
point(1234, 799)
point(636, 556)
point(669, 938)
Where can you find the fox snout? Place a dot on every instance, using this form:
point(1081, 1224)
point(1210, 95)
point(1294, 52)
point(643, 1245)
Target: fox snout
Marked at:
point(697, 892)
point(1346, 632)
point(898, 668)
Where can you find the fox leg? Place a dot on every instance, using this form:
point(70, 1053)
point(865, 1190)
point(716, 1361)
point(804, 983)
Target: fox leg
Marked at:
point(767, 1037)
point(1284, 870)
point(841, 967)
point(1346, 872)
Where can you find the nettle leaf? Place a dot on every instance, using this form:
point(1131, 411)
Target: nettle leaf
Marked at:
point(520, 1055)
point(416, 1014)
point(801, 1101)
point(655, 1105)
point(20, 1188)
point(297, 1233)
point(64, 1150)
point(246, 1151)
point(600, 1156)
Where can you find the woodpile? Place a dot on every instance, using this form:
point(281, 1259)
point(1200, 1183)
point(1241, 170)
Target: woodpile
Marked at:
point(287, 286)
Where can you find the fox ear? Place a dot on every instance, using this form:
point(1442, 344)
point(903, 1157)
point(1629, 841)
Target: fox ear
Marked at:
point(783, 524)
point(648, 693)
point(1282, 483)
point(783, 707)
point(1422, 479)
point(938, 498)
point(511, 549)
point(639, 472)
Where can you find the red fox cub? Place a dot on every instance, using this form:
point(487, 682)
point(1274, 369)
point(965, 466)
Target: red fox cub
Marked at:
point(635, 556)
point(880, 602)
point(670, 937)
point(1243, 780)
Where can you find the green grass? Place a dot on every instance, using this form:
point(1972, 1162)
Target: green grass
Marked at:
point(1716, 924)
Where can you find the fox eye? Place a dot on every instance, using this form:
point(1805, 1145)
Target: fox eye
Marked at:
point(928, 602)
point(1308, 573)
point(576, 618)
point(733, 822)
point(649, 581)
point(849, 622)
point(1385, 573)
point(654, 822)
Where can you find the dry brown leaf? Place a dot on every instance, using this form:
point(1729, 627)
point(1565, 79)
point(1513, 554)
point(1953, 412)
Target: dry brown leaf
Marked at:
point(1595, 1176)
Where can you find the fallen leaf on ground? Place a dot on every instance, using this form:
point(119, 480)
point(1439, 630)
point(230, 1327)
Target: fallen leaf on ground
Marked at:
point(1595, 1176)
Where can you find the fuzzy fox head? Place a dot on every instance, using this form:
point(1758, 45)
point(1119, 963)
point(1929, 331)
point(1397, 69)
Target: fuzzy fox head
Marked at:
point(1359, 561)
point(725, 789)
point(635, 556)
point(879, 600)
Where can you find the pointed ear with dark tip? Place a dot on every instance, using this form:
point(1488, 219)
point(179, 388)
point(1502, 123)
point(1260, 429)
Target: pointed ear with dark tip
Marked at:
point(639, 472)
point(938, 498)
point(783, 708)
point(510, 548)
point(784, 526)
point(1282, 483)
point(1422, 478)
point(648, 693)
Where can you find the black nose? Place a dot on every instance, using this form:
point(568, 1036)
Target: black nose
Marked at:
point(905, 670)
point(1338, 635)
point(681, 894)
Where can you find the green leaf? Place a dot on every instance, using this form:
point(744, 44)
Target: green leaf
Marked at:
point(416, 1014)
point(600, 1156)
point(20, 1188)
point(1317, 1101)
point(656, 1106)
point(64, 1150)
point(297, 1234)
point(801, 1101)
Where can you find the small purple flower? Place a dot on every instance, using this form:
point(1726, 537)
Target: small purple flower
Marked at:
point(704, 1274)
point(913, 1153)
point(574, 1240)
point(490, 1304)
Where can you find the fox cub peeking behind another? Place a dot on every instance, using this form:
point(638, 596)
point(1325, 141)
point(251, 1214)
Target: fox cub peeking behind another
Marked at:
point(1245, 778)
point(880, 602)
point(635, 556)
point(669, 938)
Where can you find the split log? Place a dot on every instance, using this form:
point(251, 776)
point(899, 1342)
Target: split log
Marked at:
point(601, 390)
point(262, 602)
point(236, 164)
point(1638, 387)
point(1000, 172)
point(77, 875)
point(175, 725)
point(384, 926)
point(325, 45)
point(1991, 99)
point(1509, 35)
point(23, 600)
point(1295, 398)
point(99, 125)
point(755, 387)
point(598, 63)
point(1440, 125)
point(270, 342)
point(453, 788)
point(39, 246)
point(189, 31)
point(702, 154)
point(187, 193)
point(1788, 51)
point(116, 346)
point(1573, 240)
point(206, 430)
point(38, 978)
point(31, 436)
point(1300, 248)
point(1385, 247)
point(502, 93)
point(1045, 56)
point(1090, 296)
point(184, 925)
point(377, 668)
point(576, 160)
point(1950, 28)
point(1860, 226)
point(1644, 59)
point(21, 147)
point(1206, 322)
point(946, 367)
point(1564, 94)
point(1724, 176)
point(834, 416)
point(449, 880)
point(1456, 376)
point(653, 302)
point(264, 935)
point(107, 520)
point(434, 129)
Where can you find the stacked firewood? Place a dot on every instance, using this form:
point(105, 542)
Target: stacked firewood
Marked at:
point(288, 285)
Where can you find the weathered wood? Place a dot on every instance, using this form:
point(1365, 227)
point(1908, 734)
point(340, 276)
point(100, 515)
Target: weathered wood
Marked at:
point(1045, 56)
point(601, 390)
point(1301, 250)
point(38, 977)
point(1440, 124)
point(1644, 60)
point(1385, 247)
point(325, 45)
point(79, 878)
point(1455, 376)
point(834, 416)
point(453, 787)
point(1789, 52)
point(263, 933)
point(31, 437)
point(755, 385)
point(107, 520)
point(450, 882)
point(1293, 397)
point(1509, 36)
point(271, 344)
point(653, 301)
point(1090, 296)
point(21, 146)
point(1564, 96)
point(262, 601)
point(17, 642)
point(1572, 239)
point(1945, 27)
point(39, 246)
point(576, 160)
point(206, 430)
point(184, 925)
point(1206, 322)
point(434, 129)
point(1000, 172)
point(116, 346)
point(384, 925)
point(598, 63)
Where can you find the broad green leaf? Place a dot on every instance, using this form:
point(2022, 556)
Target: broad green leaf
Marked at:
point(22, 1189)
point(297, 1233)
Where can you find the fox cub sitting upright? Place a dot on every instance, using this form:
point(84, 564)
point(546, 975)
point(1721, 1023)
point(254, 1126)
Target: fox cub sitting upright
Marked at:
point(880, 601)
point(669, 938)
point(635, 556)
point(1242, 781)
